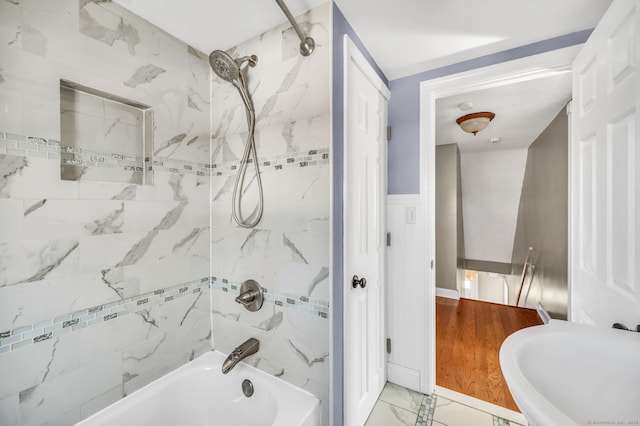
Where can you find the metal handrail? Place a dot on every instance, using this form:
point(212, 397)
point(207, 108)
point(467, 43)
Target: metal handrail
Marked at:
point(526, 266)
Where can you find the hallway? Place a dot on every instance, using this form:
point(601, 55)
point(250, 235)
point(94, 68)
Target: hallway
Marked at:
point(469, 334)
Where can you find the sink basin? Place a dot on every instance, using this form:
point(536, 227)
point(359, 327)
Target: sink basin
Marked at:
point(565, 374)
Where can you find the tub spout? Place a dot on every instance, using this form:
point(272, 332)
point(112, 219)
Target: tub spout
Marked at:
point(249, 347)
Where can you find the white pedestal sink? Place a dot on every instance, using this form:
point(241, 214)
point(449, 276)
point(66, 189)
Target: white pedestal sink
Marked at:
point(573, 374)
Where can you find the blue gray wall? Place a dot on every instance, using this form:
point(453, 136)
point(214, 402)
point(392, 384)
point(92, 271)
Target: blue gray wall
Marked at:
point(404, 107)
point(340, 28)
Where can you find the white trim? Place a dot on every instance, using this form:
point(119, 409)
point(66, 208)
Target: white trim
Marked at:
point(352, 51)
point(478, 404)
point(570, 298)
point(353, 55)
point(528, 68)
point(402, 199)
point(403, 376)
point(448, 293)
point(334, 321)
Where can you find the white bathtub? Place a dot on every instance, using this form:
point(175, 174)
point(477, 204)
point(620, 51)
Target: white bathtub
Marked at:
point(199, 394)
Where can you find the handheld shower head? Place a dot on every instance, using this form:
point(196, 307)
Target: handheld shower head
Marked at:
point(234, 71)
point(224, 66)
point(228, 68)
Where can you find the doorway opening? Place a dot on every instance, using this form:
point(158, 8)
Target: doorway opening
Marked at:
point(503, 265)
point(499, 192)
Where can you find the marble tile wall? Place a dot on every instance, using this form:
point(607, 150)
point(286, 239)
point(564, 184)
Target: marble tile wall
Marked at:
point(103, 286)
point(288, 251)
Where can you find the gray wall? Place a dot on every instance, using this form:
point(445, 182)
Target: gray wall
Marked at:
point(542, 219)
point(449, 237)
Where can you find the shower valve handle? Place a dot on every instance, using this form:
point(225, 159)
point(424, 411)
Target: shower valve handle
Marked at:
point(355, 282)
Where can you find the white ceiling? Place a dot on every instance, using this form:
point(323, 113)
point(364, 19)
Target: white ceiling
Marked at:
point(410, 36)
point(215, 24)
point(523, 110)
point(403, 36)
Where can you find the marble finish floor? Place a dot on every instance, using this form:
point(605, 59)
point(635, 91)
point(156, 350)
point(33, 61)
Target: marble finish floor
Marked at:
point(398, 406)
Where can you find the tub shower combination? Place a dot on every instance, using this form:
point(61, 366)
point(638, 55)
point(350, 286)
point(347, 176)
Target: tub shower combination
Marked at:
point(215, 387)
point(198, 393)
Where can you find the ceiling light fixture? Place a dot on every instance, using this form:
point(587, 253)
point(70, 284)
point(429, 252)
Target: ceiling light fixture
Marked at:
point(475, 122)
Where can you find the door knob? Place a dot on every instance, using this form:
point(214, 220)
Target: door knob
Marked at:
point(355, 282)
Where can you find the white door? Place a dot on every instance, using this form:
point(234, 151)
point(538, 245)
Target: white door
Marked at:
point(605, 190)
point(365, 188)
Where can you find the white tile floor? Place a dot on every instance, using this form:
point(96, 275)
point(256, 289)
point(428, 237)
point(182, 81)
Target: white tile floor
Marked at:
point(400, 406)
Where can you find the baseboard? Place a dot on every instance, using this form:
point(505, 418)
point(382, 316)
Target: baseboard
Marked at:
point(448, 293)
point(403, 376)
point(543, 314)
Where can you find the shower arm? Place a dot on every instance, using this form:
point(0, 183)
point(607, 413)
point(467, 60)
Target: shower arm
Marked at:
point(307, 44)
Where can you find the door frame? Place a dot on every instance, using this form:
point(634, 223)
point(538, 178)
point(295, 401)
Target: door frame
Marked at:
point(528, 68)
point(351, 52)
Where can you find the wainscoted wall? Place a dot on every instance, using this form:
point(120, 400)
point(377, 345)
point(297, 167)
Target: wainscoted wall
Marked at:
point(103, 286)
point(406, 264)
point(288, 251)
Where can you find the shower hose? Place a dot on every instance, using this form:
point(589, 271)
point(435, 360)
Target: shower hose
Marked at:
point(249, 151)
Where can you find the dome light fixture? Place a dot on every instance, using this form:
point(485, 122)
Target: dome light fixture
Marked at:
point(475, 122)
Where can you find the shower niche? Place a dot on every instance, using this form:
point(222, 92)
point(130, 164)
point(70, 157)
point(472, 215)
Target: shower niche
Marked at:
point(103, 137)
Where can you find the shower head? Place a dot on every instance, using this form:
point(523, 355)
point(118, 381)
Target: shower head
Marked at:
point(228, 68)
point(224, 66)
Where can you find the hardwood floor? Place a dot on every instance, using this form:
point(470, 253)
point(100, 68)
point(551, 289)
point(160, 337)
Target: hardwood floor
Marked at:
point(468, 338)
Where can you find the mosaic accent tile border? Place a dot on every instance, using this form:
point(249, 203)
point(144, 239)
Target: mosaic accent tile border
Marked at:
point(31, 146)
point(292, 301)
point(45, 330)
point(427, 408)
point(82, 157)
point(31, 334)
point(312, 157)
point(181, 166)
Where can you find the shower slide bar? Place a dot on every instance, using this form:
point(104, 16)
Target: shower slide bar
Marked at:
point(307, 44)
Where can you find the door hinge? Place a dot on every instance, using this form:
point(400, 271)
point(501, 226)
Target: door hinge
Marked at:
point(388, 239)
point(388, 133)
point(431, 264)
point(388, 345)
